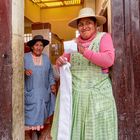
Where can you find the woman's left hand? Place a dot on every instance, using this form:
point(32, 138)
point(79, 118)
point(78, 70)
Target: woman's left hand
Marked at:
point(53, 89)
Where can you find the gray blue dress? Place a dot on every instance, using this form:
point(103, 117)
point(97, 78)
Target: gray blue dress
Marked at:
point(39, 101)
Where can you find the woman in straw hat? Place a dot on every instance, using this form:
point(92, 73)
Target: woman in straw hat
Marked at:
point(94, 115)
point(39, 85)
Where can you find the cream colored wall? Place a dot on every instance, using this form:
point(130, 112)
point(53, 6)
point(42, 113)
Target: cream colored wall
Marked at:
point(17, 65)
point(59, 18)
point(98, 5)
point(31, 11)
point(101, 5)
point(89, 3)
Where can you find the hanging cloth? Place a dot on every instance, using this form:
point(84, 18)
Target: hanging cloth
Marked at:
point(65, 112)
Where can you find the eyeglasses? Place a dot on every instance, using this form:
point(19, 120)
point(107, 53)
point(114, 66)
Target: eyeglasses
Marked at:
point(86, 23)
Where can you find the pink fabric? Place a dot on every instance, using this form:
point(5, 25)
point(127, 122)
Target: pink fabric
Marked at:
point(104, 58)
point(87, 42)
point(84, 43)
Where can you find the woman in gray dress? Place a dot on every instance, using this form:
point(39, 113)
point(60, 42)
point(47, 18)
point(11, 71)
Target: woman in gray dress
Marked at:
point(39, 85)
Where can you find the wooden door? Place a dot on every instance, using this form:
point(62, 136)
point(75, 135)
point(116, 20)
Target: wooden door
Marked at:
point(5, 70)
point(126, 71)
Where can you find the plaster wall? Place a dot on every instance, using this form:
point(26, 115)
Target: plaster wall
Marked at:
point(31, 11)
point(89, 3)
point(59, 18)
point(17, 66)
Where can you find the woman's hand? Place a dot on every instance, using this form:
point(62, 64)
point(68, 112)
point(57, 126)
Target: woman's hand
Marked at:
point(53, 88)
point(61, 61)
point(28, 72)
point(81, 49)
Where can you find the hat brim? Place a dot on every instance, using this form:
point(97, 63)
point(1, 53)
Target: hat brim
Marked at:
point(99, 19)
point(32, 42)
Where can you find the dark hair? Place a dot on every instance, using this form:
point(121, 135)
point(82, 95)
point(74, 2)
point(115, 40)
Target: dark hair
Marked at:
point(91, 18)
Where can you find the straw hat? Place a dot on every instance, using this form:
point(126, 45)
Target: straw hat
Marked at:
point(37, 38)
point(87, 12)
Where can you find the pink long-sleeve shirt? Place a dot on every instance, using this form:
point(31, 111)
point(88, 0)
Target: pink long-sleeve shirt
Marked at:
point(104, 58)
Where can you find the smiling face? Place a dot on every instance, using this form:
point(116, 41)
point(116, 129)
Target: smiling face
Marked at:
point(86, 27)
point(37, 48)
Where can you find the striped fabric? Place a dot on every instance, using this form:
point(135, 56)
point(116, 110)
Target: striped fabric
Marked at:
point(94, 111)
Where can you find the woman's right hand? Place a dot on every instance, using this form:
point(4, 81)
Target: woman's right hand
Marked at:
point(61, 61)
point(28, 72)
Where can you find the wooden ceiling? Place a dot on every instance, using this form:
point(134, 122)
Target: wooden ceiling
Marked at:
point(56, 3)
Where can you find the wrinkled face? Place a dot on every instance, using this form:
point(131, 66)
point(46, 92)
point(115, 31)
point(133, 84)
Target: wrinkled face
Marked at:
point(37, 48)
point(86, 28)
